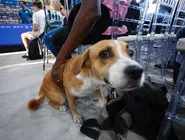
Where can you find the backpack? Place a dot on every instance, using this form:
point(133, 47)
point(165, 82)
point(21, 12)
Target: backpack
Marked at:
point(35, 52)
point(147, 107)
point(141, 111)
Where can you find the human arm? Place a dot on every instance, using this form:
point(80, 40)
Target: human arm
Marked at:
point(35, 23)
point(35, 27)
point(89, 12)
point(63, 11)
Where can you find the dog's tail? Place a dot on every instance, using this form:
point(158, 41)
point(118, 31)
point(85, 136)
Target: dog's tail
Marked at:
point(35, 102)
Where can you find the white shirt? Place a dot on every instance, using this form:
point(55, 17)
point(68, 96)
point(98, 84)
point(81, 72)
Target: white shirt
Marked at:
point(39, 19)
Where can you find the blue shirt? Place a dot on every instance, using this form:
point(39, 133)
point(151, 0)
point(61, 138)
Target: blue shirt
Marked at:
point(25, 15)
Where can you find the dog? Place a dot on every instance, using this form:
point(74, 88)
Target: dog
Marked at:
point(108, 62)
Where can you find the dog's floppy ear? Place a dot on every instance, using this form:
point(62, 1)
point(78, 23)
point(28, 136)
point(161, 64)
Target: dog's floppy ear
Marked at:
point(85, 59)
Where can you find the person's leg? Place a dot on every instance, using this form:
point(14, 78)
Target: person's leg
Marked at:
point(26, 37)
point(59, 37)
point(48, 40)
point(25, 40)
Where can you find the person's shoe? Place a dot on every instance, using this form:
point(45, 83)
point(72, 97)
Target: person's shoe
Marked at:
point(169, 81)
point(25, 56)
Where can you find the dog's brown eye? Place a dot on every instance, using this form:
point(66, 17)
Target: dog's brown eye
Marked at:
point(131, 53)
point(104, 54)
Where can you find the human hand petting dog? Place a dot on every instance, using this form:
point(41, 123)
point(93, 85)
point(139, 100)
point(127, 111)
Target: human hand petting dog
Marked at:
point(57, 73)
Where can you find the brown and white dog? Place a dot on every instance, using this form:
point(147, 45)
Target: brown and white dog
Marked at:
point(107, 62)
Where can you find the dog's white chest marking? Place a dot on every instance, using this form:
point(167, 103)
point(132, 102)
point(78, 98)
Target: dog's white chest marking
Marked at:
point(90, 85)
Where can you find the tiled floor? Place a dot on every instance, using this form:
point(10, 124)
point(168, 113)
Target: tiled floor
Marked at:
point(19, 82)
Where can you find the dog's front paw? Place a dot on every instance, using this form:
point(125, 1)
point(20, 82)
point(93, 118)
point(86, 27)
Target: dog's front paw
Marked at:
point(63, 108)
point(78, 119)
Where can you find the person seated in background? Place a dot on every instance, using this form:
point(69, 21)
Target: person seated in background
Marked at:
point(84, 26)
point(38, 26)
point(25, 14)
point(59, 6)
point(53, 15)
point(48, 4)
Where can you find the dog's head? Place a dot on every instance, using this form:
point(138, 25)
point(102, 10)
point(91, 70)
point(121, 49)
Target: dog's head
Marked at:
point(111, 61)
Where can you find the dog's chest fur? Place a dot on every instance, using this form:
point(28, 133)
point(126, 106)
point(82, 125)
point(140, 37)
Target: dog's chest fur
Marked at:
point(90, 85)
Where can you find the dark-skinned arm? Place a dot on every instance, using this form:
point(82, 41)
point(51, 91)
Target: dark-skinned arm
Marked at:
point(89, 12)
point(87, 16)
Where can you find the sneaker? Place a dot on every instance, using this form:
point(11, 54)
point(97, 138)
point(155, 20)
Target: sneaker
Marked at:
point(25, 56)
point(169, 81)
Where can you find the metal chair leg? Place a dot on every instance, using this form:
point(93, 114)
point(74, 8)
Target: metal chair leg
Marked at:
point(150, 49)
point(44, 57)
point(47, 60)
point(165, 130)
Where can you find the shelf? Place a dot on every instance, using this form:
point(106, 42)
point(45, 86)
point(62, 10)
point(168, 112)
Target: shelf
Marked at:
point(166, 5)
point(146, 25)
point(183, 11)
point(180, 19)
point(161, 14)
point(130, 20)
point(177, 26)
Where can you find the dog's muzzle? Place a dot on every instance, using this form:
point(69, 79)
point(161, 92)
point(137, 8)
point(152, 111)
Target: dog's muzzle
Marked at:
point(133, 72)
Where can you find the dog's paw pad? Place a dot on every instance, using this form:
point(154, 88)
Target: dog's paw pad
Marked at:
point(78, 119)
point(63, 108)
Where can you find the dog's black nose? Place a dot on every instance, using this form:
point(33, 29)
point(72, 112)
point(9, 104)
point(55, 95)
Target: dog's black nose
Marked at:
point(134, 72)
